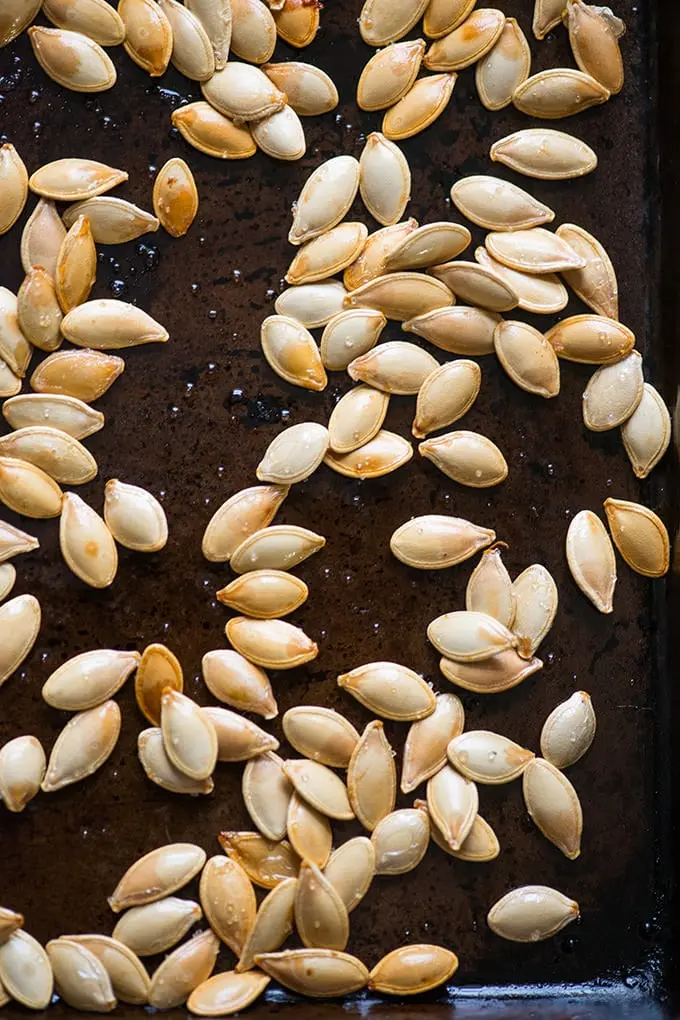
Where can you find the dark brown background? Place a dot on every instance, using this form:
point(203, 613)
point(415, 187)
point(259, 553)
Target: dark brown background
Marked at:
point(190, 420)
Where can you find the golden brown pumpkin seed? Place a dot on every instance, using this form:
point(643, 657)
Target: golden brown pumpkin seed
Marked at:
point(547, 14)
point(593, 35)
point(379, 456)
point(242, 92)
point(312, 304)
point(134, 517)
point(8, 574)
point(505, 66)
point(318, 973)
point(158, 926)
point(465, 45)
point(419, 108)
point(10, 384)
point(160, 770)
point(19, 626)
point(216, 19)
point(487, 757)
point(436, 541)
point(129, 979)
point(297, 24)
point(613, 393)
point(591, 560)
point(479, 286)
point(348, 335)
point(148, 35)
point(429, 245)
point(569, 730)
point(88, 679)
point(294, 454)
point(325, 199)
point(184, 969)
point(393, 367)
point(86, 543)
point(25, 970)
point(15, 16)
point(372, 776)
point(22, 767)
point(227, 993)
point(389, 690)
point(480, 845)
point(442, 16)
point(400, 841)
point(233, 680)
point(94, 18)
point(467, 457)
point(320, 787)
point(371, 262)
point(42, 237)
point(281, 134)
point(211, 132)
point(253, 31)
point(350, 870)
point(273, 923)
point(389, 74)
point(15, 349)
point(38, 313)
point(192, 52)
point(157, 874)
point(309, 833)
point(545, 153)
point(291, 351)
point(189, 736)
point(490, 676)
point(384, 179)
point(412, 969)
point(327, 254)
point(109, 324)
point(531, 913)
point(544, 294)
point(533, 251)
point(489, 589)
point(158, 669)
point(596, 283)
point(452, 801)
point(264, 594)
point(309, 90)
point(528, 358)
point(72, 59)
point(238, 518)
point(238, 739)
point(427, 740)
point(82, 747)
point(536, 601)
point(80, 977)
point(639, 535)
point(320, 734)
point(266, 862)
point(27, 490)
point(386, 21)
point(466, 636)
point(647, 433)
point(279, 547)
point(357, 418)
point(175, 198)
point(553, 806)
point(591, 339)
point(228, 901)
point(266, 794)
point(14, 541)
point(558, 92)
point(14, 186)
point(320, 915)
point(83, 374)
point(56, 452)
point(445, 396)
point(458, 329)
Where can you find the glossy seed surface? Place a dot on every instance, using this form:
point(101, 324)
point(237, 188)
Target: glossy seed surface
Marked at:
point(639, 535)
point(591, 559)
point(531, 913)
point(412, 969)
point(569, 730)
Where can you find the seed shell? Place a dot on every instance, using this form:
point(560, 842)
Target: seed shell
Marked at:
point(110, 324)
point(467, 457)
point(379, 245)
point(238, 739)
point(266, 794)
point(393, 367)
point(291, 350)
point(487, 757)
point(480, 845)
point(312, 304)
point(442, 16)
point(320, 915)
point(281, 134)
point(320, 734)
point(309, 833)
point(72, 59)
point(134, 517)
point(253, 31)
point(15, 349)
point(327, 254)
point(129, 979)
point(428, 245)
point(413, 969)
point(8, 574)
point(613, 393)
point(640, 536)
point(242, 92)
point(547, 14)
point(591, 339)
point(533, 251)
point(591, 559)
point(427, 740)
point(158, 926)
point(273, 644)
point(227, 993)
point(318, 973)
point(505, 66)
point(148, 35)
point(88, 679)
point(593, 36)
point(528, 358)
point(25, 970)
point(389, 690)
point(384, 179)
point(175, 197)
point(160, 770)
point(400, 840)
point(357, 418)
point(385, 21)
point(309, 90)
point(15, 16)
point(420, 107)
point(264, 594)
point(80, 977)
point(348, 335)
point(14, 186)
point(74, 179)
point(531, 913)
point(536, 600)
point(452, 801)
point(273, 923)
point(27, 490)
point(437, 541)
point(545, 153)
point(325, 199)
point(569, 730)
point(19, 626)
point(184, 969)
point(279, 547)
point(350, 870)
point(234, 680)
point(466, 636)
point(596, 283)
point(211, 132)
point(157, 874)
point(86, 543)
point(13, 542)
point(266, 862)
point(10, 384)
point(647, 433)
point(543, 294)
point(490, 589)
point(553, 806)
point(82, 747)
point(42, 237)
point(94, 18)
point(558, 92)
point(457, 329)
point(52, 450)
point(158, 669)
point(38, 312)
point(238, 518)
point(216, 19)
point(189, 736)
point(297, 24)
point(192, 52)
point(228, 901)
point(372, 776)
point(445, 396)
point(379, 456)
point(498, 673)
point(83, 374)
point(389, 74)
point(480, 287)
point(320, 787)
point(22, 767)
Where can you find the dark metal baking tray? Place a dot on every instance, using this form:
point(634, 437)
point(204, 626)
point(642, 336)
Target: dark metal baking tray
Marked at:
point(190, 420)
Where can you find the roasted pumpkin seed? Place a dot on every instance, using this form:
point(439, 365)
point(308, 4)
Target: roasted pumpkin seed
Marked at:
point(192, 52)
point(15, 16)
point(393, 367)
point(442, 16)
point(318, 973)
point(320, 915)
point(389, 74)
point(569, 730)
point(175, 197)
point(536, 601)
point(647, 433)
point(309, 90)
point(467, 44)
point(528, 358)
point(27, 490)
point(42, 237)
point(400, 841)
point(480, 845)
point(25, 970)
point(312, 304)
point(233, 680)
point(325, 199)
point(129, 979)
point(297, 24)
point(327, 254)
point(56, 452)
point(505, 66)
point(309, 833)
point(613, 393)
point(427, 740)
point(22, 767)
point(466, 636)
point(384, 179)
point(238, 518)
point(184, 969)
point(228, 901)
point(189, 736)
point(266, 862)
point(19, 626)
point(420, 107)
point(413, 969)
point(379, 245)
point(436, 541)
point(591, 339)
point(467, 457)
point(94, 18)
point(158, 669)
point(279, 547)
point(216, 19)
point(134, 517)
point(452, 801)
point(281, 134)
point(384, 21)
point(294, 454)
point(211, 132)
point(490, 676)
point(158, 926)
point(15, 349)
point(558, 92)
point(14, 182)
point(10, 384)
point(238, 739)
point(445, 396)
point(553, 806)
point(80, 977)
point(148, 35)
point(348, 335)
point(533, 251)
point(82, 747)
point(547, 14)
point(545, 153)
point(531, 913)
point(390, 690)
point(429, 245)
point(489, 589)
point(591, 560)
point(227, 993)
point(487, 757)
point(8, 574)
point(593, 35)
point(379, 456)
point(596, 283)
point(350, 870)
point(356, 418)
point(266, 793)
point(86, 543)
point(640, 536)
point(265, 594)
point(372, 776)
point(110, 324)
point(479, 286)
point(320, 787)
point(88, 679)
point(14, 541)
point(160, 770)
point(253, 31)
point(457, 329)
point(273, 923)
point(83, 374)
point(157, 874)
point(38, 313)
point(72, 59)
point(242, 92)
point(320, 734)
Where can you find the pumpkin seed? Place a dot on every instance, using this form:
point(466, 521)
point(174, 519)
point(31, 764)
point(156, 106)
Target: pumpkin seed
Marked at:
point(129, 979)
point(569, 730)
point(389, 690)
point(212, 133)
point(558, 92)
point(452, 801)
point(591, 339)
point(42, 237)
point(175, 198)
point(320, 915)
point(25, 970)
point(297, 24)
point(19, 626)
point(382, 21)
point(266, 862)
point(348, 335)
point(533, 251)
point(528, 358)
point(242, 92)
point(148, 35)
point(480, 845)
point(238, 518)
point(467, 457)
point(553, 806)
point(410, 970)
point(238, 739)
point(379, 456)
point(107, 324)
point(291, 352)
point(266, 794)
point(498, 673)
point(134, 517)
point(22, 767)
point(233, 680)
point(647, 433)
point(327, 254)
point(38, 313)
point(639, 535)
point(294, 454)
point(160, 770)
point(467, 44)
point(505, 66)
point(591, 560)
point(312, 304)
point(613, 393)
point(10, 921)
point(309, 90)
point(27, 490)
point(88, 679)
point(157, 874)
point(442, 16)
point(357, 418)
point(158, 926)
point(82, 747)
point(490, 589)
point(80, 977)
point(389, 74)
point(325, 199)
point(184, 969)
point(86, 543)
point(253, 31)
point(273, 923)
point(227, 993)
point(384, 179)
point(457, 329)
point(320, 734)
point(83, 374)
point(547, 14)
point(320, 787)
point(15, 349)
point(15, 16)
point(10, 384)
point(372, 776)
point(72, 59)
point(189, 736)
point(56, 452)
point(593, 36)
point(596, 283)
point(14, 541)
point(436, 541)
point(279, 547)
point(394, 367)
point(309, 833)
point(543, 294)
point(14, 181)
point(536, 605)
point(8, 574)
point(228, 900)
point(427, 740)
point(428, 245)
point(479, 286)
point(545, 154)
point(192, 52)
point(445, 396)
point(531, 913)
point(420, 107)
point(318, 973)
point(400, 841)
point(372, 261)
point(158, 669)
point(216, 19)
point(350, 870)
point(281, 134)
point(487, 757)
point(265, 594)
point(94, 18)
point(466, 636)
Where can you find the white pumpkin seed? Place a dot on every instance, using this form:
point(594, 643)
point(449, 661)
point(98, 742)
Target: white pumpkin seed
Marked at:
point(129, 979)
point(158, 670)
point(379, 244)
point(553, 806)
point(216, 19)
point(466, 636)
point(569, 730)
point(13, 542)
point(42, 237)
point(467, 457)
point(160, 770)
point(15, 16)
point(228, 901)
point(10, 384)
point(350, 870)
point(536, 600)
point(445, 396)
point(82, 747)
point(238, 518)
point(427, 740)
point(14, 186)
point(400, 841)
point(320, 787)
point(273, 923)
point(531, 913)
point(547, 14)
point(27, 490)
point(486, 757)
point(613, 393)
point(490, 589)
point(390, 690)
point(596, 283)
point(389, 74)
point(479, 286)
point(591, 339)
point(86, 543)
point(192, 52)
point(281, 134)
point(320, 734)
point(189, 736)
point(318, 973)
point(291, 351)
point(309, 832)
point(647, 433)
point(457, 329)
point(528, 358)
point(394, 367)
point(558, 92)
point(593, 36)
point(234, 681)
point(544, 153)
point(505, 66)
point(294, 454)
point(544, 294)
point(88, 679)
point(8, 574)
point(452, 801)
point(76, 265)
point(348, 335)
point(264, 594)
point(273, 644)
point(429, 245)
point(80, 977)
point(466, 44)
point(175, 197)
point(437, 541)
point(84, 374)
point(325, 199)
point(327, 254)
point(148, 35)
point(297, 24)
point(108, 323)
point(639, 535)
point(184, 969)
point(413, 969)
point(320, 915)
point(442, 16)
point(94, 18)
point(157, 874)
point(420, 107)
point(52, 450)
point(266, 862)
point(309, 90)
point(19, 626)
point(158, 926)
point(134, 517)
point(15, 349)
point(22, 767)
point(498, 673)
point(279, 547)
point(356, 418)
point(72, 59)
point(384, 179)
point(266, 793)
point(384, 21)
point(312, 304)
point(253, 31)
point(372, 776)
point(212, 133)
point(379, 456)
point(227, 993)
point(238, 739)
point(25, 970)
point(533, 251)
point(591, 560)
point(242, 92)
point(38, 313)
